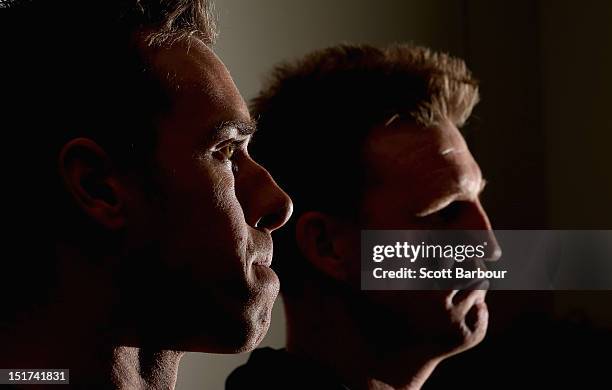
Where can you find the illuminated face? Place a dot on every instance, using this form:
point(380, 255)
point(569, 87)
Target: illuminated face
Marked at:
point(206, 284)
point(424, 178)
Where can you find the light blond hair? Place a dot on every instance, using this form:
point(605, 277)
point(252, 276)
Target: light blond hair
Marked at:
point(436, 85)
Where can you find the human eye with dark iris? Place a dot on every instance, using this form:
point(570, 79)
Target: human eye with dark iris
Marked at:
point(452, 211)
point(229, 152)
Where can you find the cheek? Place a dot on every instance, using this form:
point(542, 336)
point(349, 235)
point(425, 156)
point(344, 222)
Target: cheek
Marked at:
point(387, 208)
point(204, 217)
point(226, 204)
point(224, 197)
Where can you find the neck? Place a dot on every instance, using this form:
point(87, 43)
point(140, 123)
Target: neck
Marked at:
point(87, 351)
point(333, 339)
point(140, 368)
point(76, 331)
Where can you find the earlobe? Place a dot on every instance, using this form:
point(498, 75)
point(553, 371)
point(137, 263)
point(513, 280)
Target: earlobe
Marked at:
point(316, 236)
point(87, 173)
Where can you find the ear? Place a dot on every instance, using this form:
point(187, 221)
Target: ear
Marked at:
point(89, 177)
point(321, 239)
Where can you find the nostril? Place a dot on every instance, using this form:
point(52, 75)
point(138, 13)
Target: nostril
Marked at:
point(494, 251)
point(265, 222)
point(269, 222)
point(273, 221)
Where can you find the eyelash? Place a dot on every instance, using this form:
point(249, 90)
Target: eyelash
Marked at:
point(234, 145)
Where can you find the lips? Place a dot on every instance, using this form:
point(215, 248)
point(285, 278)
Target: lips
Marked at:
point(469, 294)
point(260, 249)
point(476, 284)
point(264, 261)
point(462, 284)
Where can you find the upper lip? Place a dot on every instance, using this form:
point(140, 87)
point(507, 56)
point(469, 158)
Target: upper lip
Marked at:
point(265, 260)
point(475, 285)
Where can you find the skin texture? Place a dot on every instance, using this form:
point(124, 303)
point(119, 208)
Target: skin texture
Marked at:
point(212, 228)
point(418, 178)
point(178, 258)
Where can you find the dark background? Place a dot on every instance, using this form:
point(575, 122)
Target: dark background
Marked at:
point(542, 132)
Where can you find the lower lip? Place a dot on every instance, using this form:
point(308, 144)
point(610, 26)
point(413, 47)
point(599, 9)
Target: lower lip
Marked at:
point(476, 284)
point(264, 274)
point(476, 287)
point(482, 284)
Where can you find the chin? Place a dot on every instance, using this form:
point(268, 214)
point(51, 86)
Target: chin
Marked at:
point(220, 315)
point(465, 331)
point(246, 334)
point(226, 337)
point(435, 324)
point(243, 329)
point(257, 319)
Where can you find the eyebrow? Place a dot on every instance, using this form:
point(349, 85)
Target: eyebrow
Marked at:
point(222, 130)
point(483, 185)
point(245, 128)
point(448, 199)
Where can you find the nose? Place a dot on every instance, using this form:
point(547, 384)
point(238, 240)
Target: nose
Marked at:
point(266, 206)
point(494, 251)
point(475, 219)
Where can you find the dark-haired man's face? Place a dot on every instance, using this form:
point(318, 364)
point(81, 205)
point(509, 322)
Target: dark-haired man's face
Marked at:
point(198, 276)
point(426, 179)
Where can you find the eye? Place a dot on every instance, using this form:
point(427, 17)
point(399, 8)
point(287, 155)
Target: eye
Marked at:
point(227, 151)
point(452, 211)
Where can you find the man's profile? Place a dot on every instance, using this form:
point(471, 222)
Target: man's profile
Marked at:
point(138, 224)
point(379, 147)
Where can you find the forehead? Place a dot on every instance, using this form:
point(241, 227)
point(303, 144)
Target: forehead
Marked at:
point(426, 163)
point(199, 84)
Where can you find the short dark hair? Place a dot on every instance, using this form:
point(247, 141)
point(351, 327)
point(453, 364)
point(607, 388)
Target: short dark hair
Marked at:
point(74, 66)
point(326, 103)
point(71, 68)
point(169, 20)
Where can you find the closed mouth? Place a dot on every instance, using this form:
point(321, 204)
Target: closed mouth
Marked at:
point(266, 262)
point(476, 284)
